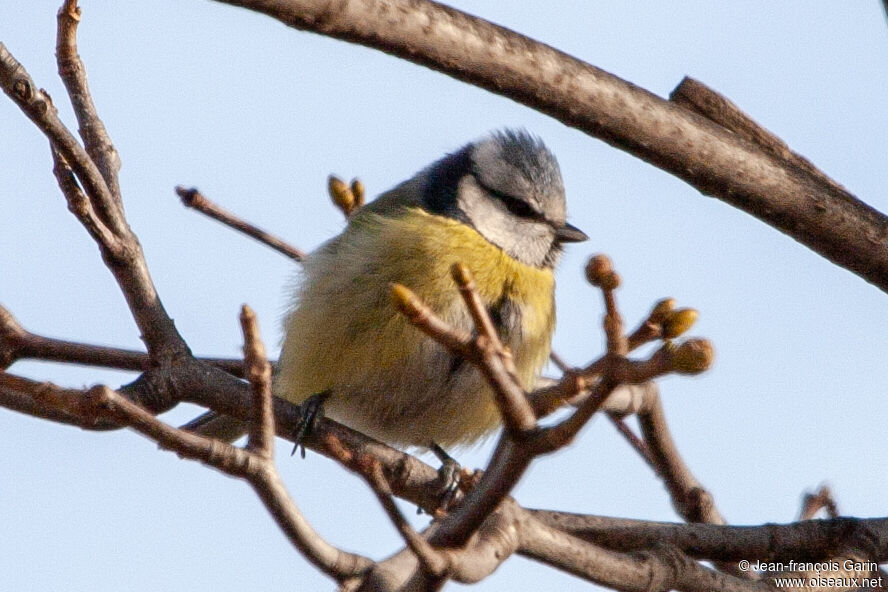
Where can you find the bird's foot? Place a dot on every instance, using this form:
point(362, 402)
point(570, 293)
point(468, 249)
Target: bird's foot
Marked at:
point(312, 410)
point(450, 478)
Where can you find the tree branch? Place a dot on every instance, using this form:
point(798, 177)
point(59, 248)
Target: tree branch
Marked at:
point(192, 198)
point(100, 212)
point(689, 498)
point(523, 440)
point(723, 153)
point(807, 540)
point(101, 404)
point(17, 343)
point(261, 433)
point(434, 562)
point(73, 73)
point(659, 566)
point(711, 158)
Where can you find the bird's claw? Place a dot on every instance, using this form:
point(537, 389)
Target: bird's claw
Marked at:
point(449, 476)
point(312, 410)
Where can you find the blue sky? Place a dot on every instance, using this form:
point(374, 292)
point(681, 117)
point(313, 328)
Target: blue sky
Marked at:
point(257, 115)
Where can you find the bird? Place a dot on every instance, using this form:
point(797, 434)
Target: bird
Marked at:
point(496, 205)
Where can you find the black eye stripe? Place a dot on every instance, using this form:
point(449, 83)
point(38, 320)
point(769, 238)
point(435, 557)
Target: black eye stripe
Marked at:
point(516, 206)
point(520, 208)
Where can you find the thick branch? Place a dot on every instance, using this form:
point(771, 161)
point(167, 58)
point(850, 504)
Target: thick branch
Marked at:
point(696, 96)
point(658, 567)
point(410, 478)
point(716, 161)
point(808, 540)
point(700, 541)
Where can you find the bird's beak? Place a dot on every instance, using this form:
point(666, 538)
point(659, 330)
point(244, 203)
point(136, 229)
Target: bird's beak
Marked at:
point(570, 234)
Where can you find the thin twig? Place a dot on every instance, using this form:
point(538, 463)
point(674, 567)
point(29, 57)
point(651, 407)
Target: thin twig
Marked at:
point(689, 497)
point(690, 357)
point(38, 106)
point(814, 502)
point(193, 198)
point(17, 343)
point(78, 203)
point(101, 403)
point(487, 354)
point(120, 248)
point(518, 415)
point(261, 434)
point(518, 446)
point(637, 443)
point(559, 362)
point(691, 500)
point(434, 562)
point(600, 273)
point(73, 73)
point(561, 434)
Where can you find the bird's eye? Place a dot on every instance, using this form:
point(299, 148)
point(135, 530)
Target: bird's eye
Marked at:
point(519, 207)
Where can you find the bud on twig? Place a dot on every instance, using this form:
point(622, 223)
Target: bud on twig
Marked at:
point(678, 322)
point(693, 356)
point(661, 310)
point(357, 189)
point(600, 273)
point(342, 196)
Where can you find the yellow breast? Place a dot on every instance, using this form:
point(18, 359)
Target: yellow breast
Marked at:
point(387, 378)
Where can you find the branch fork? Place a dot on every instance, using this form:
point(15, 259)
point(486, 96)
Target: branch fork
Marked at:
point(468, 543)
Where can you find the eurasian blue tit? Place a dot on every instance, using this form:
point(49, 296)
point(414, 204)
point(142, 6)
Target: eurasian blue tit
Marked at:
point(496, 205)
